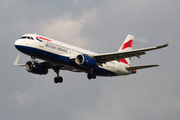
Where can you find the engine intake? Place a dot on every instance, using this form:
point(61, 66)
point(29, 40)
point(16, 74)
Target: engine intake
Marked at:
point(86, 61)
point(36, 68)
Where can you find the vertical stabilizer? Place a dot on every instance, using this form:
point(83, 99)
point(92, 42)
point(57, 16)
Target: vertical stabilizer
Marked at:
point(127, 45)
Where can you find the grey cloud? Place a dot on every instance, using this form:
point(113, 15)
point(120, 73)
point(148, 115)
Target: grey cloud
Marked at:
point(149, 94)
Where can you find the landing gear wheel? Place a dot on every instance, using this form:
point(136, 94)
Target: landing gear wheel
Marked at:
point(89, 76)
point(56, 80)
point(60, 79)
point(94, 76)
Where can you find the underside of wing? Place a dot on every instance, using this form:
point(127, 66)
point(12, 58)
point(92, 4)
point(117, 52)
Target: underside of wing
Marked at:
point(55, 66)
point(103, 58)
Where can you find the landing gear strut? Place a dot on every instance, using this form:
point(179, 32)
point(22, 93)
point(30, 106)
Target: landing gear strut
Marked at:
point(58, 79)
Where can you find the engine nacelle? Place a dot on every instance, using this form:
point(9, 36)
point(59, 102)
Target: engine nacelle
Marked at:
point(86, 61)
point(36, 68)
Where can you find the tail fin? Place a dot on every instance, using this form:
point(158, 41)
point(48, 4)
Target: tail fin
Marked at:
point(127, 45)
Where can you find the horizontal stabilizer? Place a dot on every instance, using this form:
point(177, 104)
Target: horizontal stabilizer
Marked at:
point(141, 67)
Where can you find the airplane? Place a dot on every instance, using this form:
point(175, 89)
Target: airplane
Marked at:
point(58, 56)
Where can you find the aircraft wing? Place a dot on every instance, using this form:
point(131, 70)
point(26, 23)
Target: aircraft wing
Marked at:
point(106, 57)
point(50, 65)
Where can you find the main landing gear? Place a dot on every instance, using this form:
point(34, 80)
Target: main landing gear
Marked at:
point(58, 79)
point(91, 75)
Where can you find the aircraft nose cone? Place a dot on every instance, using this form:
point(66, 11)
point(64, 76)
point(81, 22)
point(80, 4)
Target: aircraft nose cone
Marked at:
point(17, 44)
point(21, 45)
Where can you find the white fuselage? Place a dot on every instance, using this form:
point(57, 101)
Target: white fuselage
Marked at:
point(61, 53)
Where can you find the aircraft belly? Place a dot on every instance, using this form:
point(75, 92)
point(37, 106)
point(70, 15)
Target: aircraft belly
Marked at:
point(62, 60)
point(104, 72)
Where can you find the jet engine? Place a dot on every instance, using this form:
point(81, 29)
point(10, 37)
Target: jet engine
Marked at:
point(86, 61)
point(36, 68)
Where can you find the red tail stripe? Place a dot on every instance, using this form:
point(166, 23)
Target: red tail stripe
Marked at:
point(124, 61)
point(127, 44)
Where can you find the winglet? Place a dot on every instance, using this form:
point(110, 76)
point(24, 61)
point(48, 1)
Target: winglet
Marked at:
point(165, 45)
point(16, 62)
point(168, 42)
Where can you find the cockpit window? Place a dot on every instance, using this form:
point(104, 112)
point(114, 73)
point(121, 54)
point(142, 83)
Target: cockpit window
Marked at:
point(23, 37)
point(26, 37)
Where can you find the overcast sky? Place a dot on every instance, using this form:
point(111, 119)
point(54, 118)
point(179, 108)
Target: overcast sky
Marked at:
point(101, 26)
